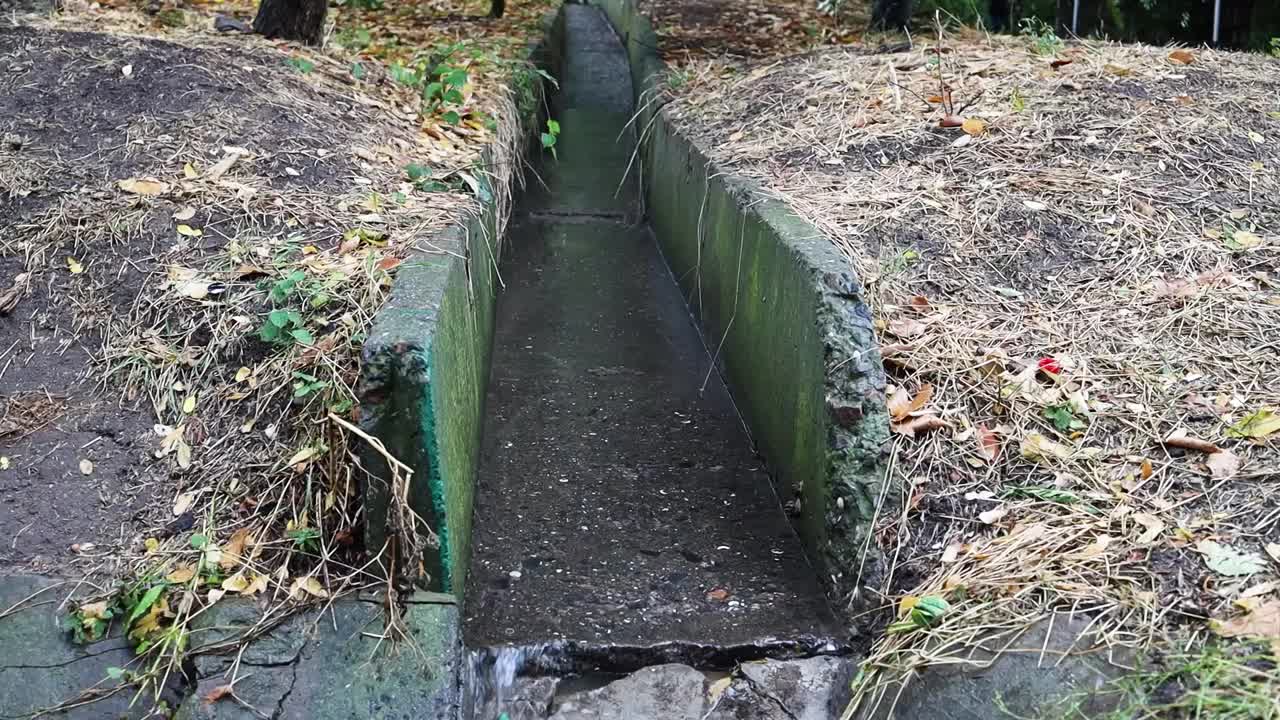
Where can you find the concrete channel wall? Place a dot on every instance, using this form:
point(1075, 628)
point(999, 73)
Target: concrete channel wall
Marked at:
point(789, 322)
point(426, 367)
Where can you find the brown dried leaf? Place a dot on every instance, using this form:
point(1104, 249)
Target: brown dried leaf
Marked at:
point(988, 443)
point(1263, 622)
point(1223, 464)
point(1182, 57)
point(217, 694)
point(1180, 439)
point(974, 126)
point(1153, 525)
point(924, 423)
point(906, 327)
point(951, 121)
point(899, 403)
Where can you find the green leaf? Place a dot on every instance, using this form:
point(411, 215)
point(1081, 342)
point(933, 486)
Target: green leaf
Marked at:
point(548, 140)
point(432, 90)
point(149, 599)
point(416, 171)
point(302, 336)
point(1062, 417)
point(357, 71)
point(1258, 424)
point(452, 118)
point(553, 127)
point(115, 673)
point(302, 65)
point(198, 541)
point(457, 78)
point(453, 97)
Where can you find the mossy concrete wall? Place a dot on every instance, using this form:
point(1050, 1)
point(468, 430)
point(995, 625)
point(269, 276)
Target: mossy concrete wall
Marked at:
point(789, 321)
point(425, 371)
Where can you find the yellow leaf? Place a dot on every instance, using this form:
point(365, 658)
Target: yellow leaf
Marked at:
point(181, 574)
point(189, 171)
point(974, 126)
point(1039, 448)
point(189, 231)
point(309, 250)
point(1256, 137)
point(307, 585)
point(234, 549)
point(1256, 425)
point(93, 611)
point(4, 462)
point(303, 455)
point(152, 545)
point(146, 186)
point(906, 603)
point(1117, 70)
point(243, 374)
point(74, 266)
point(237, 583)
point(189, 404)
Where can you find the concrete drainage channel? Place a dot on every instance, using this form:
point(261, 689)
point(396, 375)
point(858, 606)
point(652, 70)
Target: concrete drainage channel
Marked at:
point(623, 545)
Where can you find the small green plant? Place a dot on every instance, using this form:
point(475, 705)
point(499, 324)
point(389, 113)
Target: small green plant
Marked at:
point(550, 137)
point(440, 80)
point(300, 64)
point(306, 539)
point(357, 71)
point(1275, 47)
point(927, 612)
point(1063, 418)
point(284, 328)
point(284, 288)
point(1017, 101)
point(1044, 41)
point(353, 38)
point(304, 384)
point(423, 179)
point(677, 78)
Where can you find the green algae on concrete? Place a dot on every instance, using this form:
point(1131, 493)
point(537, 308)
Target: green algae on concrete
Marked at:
point(790, 323)
point(328, 665)
point(422, 385)
point(42, 668)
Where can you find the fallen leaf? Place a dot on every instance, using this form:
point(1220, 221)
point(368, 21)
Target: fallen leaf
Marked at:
point(1180, 439)
point(962, 141)
point(1226, 560)
point(906, 327)
point(183, 503)
point(1273, 549)
point(86, 467)
point(1259, 590)
point(1245, 240)
point(988, 443)
point(951, 121)
point(1034, 205)
point(189, 231)
point(221, 167)
point(924, 423)
point(190, 172)
point(234, 548)
point(974, 126)
point(717, 688)
point(243, 374)
point(899, 403)
point(181, 574)
point(127, 71)
point(1256, 137)
point(218, 693)
point(1259, 424)
point(718, 595)
point(1262, 622)
point(1059, 63)
point(1146, 469)
point(74, 266)
point(952, 553)
point(991, 517)
point(307, 585)
point(1117, 70)
point(1095, 549)
point(143, 186)
point(1039, 448)
point(1182, 57)
point(189, 404)
point(1153, 527)
point(4, 462)
point(1223, 464)
point(302, 456)
point(388, 263)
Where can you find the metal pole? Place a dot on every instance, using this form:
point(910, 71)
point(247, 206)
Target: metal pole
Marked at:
point(1217, 19)
point(1075, 18)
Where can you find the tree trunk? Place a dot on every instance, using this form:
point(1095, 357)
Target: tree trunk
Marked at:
point(301, 20)
point(890, 14)
point(497, 8)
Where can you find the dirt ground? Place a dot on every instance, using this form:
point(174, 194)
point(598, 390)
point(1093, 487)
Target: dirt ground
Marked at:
point(88, 325)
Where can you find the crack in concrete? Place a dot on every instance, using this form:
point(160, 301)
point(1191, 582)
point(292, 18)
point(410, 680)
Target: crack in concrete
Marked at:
point(293, 681)
point(63, 664)
point(761, 692)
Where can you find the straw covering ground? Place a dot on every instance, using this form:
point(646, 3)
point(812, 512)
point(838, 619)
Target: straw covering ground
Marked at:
point(1071, 252)
point(196, 230)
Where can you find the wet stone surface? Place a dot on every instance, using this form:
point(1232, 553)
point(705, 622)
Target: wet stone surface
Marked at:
point(619, 501)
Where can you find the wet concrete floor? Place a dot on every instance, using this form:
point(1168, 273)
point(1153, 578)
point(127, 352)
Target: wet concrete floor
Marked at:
point(619, 500)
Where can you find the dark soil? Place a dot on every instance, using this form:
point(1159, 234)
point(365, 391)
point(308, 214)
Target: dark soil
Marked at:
point(74, 124)
point(739, 28)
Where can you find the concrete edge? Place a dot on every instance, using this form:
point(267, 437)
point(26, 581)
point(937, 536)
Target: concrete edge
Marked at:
point(426, 365)
point(796, 335)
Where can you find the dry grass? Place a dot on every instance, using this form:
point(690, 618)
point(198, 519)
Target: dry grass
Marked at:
point(253, 478)
point(1084, 271)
